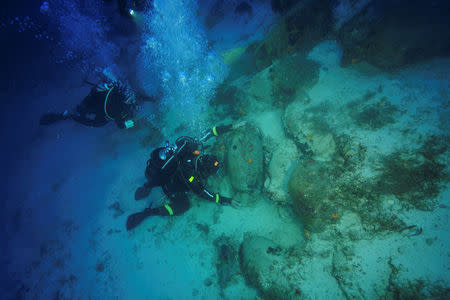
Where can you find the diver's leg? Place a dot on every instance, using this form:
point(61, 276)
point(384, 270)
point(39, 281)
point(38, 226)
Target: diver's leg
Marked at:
point(82, 109)
point(50, 118)
point(179, 204)
point(96, 122)
point(99, 121)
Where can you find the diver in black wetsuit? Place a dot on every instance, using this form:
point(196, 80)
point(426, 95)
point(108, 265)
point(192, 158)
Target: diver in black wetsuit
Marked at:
point(179, 169)
point(126, 6)
point(105, 103)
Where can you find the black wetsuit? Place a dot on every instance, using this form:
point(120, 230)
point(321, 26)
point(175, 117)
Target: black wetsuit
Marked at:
point(180, 175)
point(180, 172)
point(105, 105)
point(97, 109)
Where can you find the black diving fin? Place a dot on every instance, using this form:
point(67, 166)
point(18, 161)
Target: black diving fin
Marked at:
point(137, 218)
point(50, 118)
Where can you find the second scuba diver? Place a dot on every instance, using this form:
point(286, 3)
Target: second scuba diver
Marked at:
point(179, 169)
point(105, 103)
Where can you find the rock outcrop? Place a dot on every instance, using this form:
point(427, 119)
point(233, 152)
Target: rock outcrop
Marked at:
point(245, 160)
point(393, 34)
point(269, 268)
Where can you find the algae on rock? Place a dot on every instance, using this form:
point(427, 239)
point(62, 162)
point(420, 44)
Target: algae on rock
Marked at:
point(293, 73)
point(269, 268)
point(245, 160)
point(310, 131)
point(310, 187)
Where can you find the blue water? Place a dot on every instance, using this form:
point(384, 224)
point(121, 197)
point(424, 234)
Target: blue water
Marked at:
point(68, 189)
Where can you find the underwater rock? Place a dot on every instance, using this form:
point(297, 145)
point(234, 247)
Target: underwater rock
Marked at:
point(279, 168)
point(69, 227)
point(231, 56)
point(267, 267)
point(261, 89)
point(290, 74)
point(322, 190)
point(393, 34)
point(310, 131)
point(226, 94)
point(227, 262)
point(300, 30)
point(310, 187)
point(245, 160)
point(344, 10)
point(100, 267)
point(116, 208)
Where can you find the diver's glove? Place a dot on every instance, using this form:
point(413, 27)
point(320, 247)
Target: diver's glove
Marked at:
point(238, 125)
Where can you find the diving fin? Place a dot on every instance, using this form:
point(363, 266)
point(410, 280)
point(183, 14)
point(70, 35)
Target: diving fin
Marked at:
point(137, 218)
point(50, 118)
point(142, 192)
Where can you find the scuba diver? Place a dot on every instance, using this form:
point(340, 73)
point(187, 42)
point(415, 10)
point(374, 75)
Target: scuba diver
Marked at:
point(105, 103)
point(127, 7)
point(179, 169)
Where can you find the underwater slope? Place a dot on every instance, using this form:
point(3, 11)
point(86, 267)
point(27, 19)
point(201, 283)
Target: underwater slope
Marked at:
point(341, 169)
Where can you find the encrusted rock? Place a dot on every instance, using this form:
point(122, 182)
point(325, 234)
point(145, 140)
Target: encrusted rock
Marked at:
point(266, 266)
point(312, 134)
point(290, 74)
point(280, 167)
point(245, 160)
point(310, 186)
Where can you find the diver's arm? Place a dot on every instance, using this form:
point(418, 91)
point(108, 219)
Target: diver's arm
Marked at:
point(220, 130)
point(198, 188)
point(216, 131)
point(215, 197)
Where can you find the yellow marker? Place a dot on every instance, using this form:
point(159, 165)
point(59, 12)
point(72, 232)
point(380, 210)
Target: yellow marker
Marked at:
point(191, 179)
point(169, 209)
point(215, 131)
point(217, 198)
